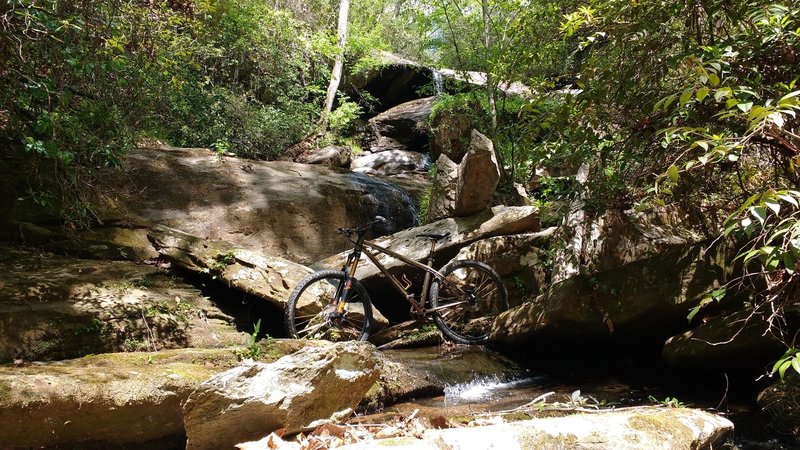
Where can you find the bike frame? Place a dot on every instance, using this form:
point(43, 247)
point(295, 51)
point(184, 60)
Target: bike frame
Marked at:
point(418, 306)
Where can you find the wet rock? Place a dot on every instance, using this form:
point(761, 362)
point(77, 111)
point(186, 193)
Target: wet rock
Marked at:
point(672, 428)
point(465, 188)
point(101, 401)
point(55, 307)
point(254, 399)
point(420, 372)
point(643, 301)
point(779, 406)
point(727, 342)
point(332, 155)
point(271, 207)
point(403, 127)
point(521, 259)
point(391, 162)
point(411, 333)
point(500, 220)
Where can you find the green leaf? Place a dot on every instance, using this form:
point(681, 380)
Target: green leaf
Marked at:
point(788, 262)
point(701, 93)
point(782, 370)
point(745, 106)
point(673, 172)
point(774, 206)
point(713, 79)
point(789, 99)
point(788, 199)
point(760, 213)
point(796, 364)
point(687, 94)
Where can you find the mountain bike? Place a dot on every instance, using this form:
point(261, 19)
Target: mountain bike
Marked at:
point(462, 298)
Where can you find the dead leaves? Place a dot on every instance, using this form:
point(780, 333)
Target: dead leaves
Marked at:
point(328, 435)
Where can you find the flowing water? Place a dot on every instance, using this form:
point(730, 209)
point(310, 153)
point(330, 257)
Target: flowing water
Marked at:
point(474, 388)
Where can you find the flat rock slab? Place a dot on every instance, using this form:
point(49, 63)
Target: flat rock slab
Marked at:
point(55, 307)
point(272, 207)
point(640, 428)
point(114, 399)
point(500, 220)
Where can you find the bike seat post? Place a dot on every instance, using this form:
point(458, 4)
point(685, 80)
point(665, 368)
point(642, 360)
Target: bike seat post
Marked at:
point(430, 252)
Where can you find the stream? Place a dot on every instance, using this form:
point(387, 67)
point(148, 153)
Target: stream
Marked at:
point(471, 390)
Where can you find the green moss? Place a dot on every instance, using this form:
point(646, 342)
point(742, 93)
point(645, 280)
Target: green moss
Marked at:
point(538, 439)
point(661, 424)
point(5, 390)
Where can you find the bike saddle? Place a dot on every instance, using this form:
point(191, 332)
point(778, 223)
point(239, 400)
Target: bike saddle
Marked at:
point(434, 236)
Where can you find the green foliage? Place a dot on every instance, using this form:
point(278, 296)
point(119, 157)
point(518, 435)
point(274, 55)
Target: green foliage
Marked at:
point(790, 359)
point(669, 402)
point(85, 79)
point(341, 118)
point(252, 351)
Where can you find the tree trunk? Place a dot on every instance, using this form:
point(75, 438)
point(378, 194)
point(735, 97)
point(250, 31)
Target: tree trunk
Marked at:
point(490, 83)
point(336, 73)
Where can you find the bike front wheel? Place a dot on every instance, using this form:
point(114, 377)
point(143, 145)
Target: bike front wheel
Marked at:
point(466, 300)
point(313, 312)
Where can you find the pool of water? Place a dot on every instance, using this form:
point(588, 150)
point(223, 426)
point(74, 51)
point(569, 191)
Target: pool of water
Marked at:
point(611, 384)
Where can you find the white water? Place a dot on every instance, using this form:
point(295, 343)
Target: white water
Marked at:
point(481, 389)
point(438, 81)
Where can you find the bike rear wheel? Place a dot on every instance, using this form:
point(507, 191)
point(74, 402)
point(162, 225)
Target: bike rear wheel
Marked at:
point(312, 313)
point(467, 299)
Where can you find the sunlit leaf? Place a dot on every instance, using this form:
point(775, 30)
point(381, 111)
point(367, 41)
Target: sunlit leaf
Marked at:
point(673, 172)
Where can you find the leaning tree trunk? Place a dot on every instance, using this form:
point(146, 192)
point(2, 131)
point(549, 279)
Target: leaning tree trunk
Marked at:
point(336, 73)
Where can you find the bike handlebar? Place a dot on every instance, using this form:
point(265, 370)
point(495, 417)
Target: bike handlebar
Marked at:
point(362, 228)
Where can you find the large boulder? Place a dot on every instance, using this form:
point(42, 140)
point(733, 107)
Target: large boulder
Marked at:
point(615, 237)
point(267, 277)
point(640, 302)
point(271, 207)
point(737, 340)
point(500, 220)
point(391, 162)
point(252, 400)
point(779, 406)
point(390, 79)
point(522, 260)
point(403, 127)
point(451, 131)
point(632, 429)
point(465, 188)
point(54, 307)
point(332, 155)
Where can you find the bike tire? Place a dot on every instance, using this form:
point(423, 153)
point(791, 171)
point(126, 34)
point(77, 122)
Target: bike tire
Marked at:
point(477, 295)
point(310, 310)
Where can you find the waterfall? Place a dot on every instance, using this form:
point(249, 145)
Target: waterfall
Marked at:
point(438, 82)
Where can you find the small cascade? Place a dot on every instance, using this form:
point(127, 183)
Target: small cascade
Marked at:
point(438, 82)
point(482, 389)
